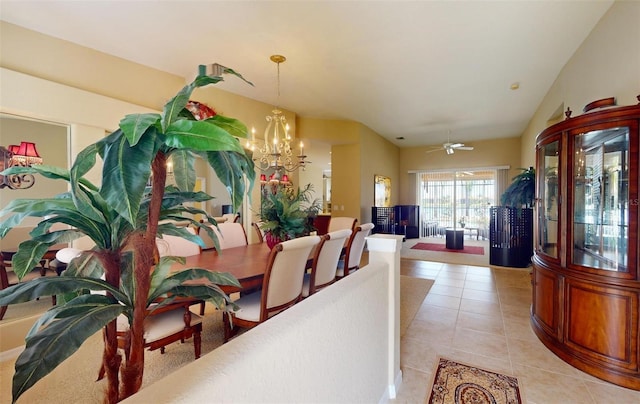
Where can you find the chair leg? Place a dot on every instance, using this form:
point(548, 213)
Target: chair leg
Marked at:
point(229, 332)
point(202, 308)
point(197, 340)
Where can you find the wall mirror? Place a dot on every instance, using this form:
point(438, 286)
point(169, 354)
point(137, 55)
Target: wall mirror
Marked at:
point(52, 141)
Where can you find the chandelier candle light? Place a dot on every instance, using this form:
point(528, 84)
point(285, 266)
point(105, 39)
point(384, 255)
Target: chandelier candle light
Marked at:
point(276, 152)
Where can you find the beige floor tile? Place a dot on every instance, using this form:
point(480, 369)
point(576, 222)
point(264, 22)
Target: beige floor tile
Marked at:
point(439, 333)
point(454, 268)
point(484, 286)
point(420, 354)
point(519, 328)
point(446, 290)
point(480, 278)
point(480, 343)
point(533, 353)
point(603, 393)
point(451, 275)
point(490, 363)
point(480, 307)
point(420, 272)
point(437, 315)
point(457, 282)
point(491, 324)
point(414, 388)
point(480, 295)
point(442, 301)
point(479, 270)
point(541, 386)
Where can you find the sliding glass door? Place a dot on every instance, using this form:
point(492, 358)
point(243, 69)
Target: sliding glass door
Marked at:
point(456, 199)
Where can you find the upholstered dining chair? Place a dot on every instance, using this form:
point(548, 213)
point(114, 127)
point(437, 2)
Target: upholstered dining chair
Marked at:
point(281, 286)
point(259, 232)
point(230, 234)
point(177, 246)
point(353, 252)
point(325, 262)
point(342, 222)
point(168, 324)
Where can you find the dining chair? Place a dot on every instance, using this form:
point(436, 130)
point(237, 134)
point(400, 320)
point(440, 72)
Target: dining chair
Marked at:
point(325, 262)
point(259, 232)
point(353, 252)
point(177, 246)
point(231, 217)
point(281, 286)
point(230, 234)
point(342, 222)
point(162, 326)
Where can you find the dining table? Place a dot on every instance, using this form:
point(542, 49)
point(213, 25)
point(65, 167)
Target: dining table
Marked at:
point(246, 263)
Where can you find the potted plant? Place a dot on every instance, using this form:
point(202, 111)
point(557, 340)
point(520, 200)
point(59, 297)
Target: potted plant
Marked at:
point(522, 191)
point(285, 213)
point(121, 216)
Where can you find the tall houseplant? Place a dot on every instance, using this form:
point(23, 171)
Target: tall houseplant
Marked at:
point(285, 213)
point(121, 216)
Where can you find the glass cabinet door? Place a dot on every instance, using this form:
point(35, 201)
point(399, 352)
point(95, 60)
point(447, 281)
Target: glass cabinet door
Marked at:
point(600, 199)
point(548, 199)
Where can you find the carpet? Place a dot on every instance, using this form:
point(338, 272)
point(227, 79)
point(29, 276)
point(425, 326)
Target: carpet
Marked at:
point(456, 383)
point(445, 255)
point(412, 294)
point(442, 247)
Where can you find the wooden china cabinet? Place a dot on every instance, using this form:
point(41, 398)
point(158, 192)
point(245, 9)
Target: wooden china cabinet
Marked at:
point(586, 282)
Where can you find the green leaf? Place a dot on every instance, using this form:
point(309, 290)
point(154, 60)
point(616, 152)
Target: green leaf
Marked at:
point(135, 125)
point(28, 256)
point(231, 125)
point(184, 172)
point(85, 161)
point(231, 169)
point(125, 173)
point(48, 286)
point(50, 346)
point(174, 281)
point(200, 136)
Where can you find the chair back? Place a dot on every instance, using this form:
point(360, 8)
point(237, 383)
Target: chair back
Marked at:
point(229, 235)
point(231, 217)
point(177, 246)
point(283, 278)
point(326, 257)
point(355, 246)
point(259, 232)
point(342, 222)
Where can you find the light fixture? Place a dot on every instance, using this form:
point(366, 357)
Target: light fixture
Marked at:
point(23, 155)
point(276, 153)
point(449, 150)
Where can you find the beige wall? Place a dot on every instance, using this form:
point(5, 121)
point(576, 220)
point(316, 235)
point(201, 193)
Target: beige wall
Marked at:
point(487, 153)
point(378, 156)
point(606, 65)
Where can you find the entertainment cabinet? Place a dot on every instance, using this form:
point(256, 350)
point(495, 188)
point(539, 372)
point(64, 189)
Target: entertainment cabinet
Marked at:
point(586, 283)
point(400, 219)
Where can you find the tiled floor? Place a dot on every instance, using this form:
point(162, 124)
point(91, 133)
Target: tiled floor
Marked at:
point(480, 316)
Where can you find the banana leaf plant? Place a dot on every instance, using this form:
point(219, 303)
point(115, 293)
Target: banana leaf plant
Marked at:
point(522, 190)
point(122, 217)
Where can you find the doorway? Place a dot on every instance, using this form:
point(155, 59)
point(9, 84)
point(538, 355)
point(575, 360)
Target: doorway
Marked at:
point(456, 199)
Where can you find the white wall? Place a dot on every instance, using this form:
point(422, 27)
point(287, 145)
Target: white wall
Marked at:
point(340, 345)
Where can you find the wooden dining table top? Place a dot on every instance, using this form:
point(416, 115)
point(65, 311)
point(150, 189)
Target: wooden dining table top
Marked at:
point(246, 263)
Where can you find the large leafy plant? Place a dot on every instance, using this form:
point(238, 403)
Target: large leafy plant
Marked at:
point(522, 191)
point(285, 212)
point(122, 217)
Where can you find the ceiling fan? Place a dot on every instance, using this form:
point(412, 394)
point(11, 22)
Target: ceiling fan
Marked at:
point(450, 147)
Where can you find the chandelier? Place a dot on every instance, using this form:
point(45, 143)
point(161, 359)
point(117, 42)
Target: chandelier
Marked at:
point(23, 155)
point(276, 153)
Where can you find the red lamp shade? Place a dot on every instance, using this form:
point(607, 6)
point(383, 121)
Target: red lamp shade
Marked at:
point(28, 149)
point(263, 178)
point(285, 178)
point(14, 148)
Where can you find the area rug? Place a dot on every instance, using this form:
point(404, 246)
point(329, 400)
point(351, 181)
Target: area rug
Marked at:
point(456, 383)
point(442, 247)
point(412, 294)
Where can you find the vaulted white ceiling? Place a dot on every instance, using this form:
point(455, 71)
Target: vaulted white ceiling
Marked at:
point(412, 69)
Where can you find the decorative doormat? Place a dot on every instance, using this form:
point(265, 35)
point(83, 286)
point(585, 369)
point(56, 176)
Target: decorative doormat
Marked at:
point(442, 247)
point(456, 383)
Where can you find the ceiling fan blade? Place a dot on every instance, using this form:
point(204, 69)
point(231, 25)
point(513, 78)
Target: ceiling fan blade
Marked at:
point(456, 145)
point(465, 148)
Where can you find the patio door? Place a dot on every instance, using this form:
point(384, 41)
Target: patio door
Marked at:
point(456, 199)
